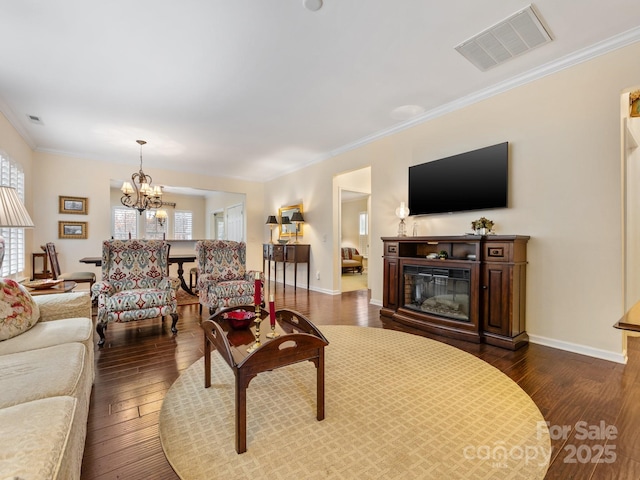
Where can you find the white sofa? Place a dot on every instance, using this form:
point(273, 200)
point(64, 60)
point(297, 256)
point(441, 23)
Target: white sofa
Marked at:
point(46, 376)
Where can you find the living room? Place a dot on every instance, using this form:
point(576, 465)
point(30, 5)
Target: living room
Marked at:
point(556, 168)
point(565, 126)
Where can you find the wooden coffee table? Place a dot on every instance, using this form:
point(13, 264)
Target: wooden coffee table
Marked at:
point(299, 341)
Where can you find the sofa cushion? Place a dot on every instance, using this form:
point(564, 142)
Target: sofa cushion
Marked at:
point(46, 372)
point(47, 334)
point(64, 305)
point(37, 440)
point(18, 311)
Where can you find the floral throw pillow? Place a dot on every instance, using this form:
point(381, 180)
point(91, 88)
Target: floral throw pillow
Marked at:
point(18, 311)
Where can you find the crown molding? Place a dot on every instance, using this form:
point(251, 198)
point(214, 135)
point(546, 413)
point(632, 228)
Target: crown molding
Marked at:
point(12, 118)
point(614, 43)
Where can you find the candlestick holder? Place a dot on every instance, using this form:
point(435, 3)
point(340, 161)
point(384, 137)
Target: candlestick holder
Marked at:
point(257, 321)
point(273, 333)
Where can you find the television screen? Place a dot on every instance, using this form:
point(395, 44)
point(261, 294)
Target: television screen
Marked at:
point(474, 180)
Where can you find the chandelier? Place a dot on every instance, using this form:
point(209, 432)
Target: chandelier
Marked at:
point(146, 195)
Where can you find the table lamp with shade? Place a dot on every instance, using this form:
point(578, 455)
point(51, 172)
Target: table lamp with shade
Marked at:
point(402, 212)
point(271, 221)
point(13, 214)
point(284, 220)
point(297, 218)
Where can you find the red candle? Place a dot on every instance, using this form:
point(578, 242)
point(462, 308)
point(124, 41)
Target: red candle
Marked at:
point(272, 311)
point(256, 293)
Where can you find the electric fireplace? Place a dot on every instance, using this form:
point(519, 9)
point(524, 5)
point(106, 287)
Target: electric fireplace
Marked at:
point(437, 291)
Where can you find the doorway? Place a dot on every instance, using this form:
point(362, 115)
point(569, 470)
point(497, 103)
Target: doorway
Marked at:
point(354, 200)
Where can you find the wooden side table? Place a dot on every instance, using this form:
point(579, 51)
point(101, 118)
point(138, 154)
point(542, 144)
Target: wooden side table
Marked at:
point(63, 287)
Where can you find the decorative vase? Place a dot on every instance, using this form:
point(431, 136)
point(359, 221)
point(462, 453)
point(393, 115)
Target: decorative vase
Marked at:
point(482, 231)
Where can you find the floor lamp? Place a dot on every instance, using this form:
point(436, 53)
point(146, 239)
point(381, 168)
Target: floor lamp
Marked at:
point(13, 214)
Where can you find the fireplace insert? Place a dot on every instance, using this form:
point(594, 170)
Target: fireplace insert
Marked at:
point(438, 291)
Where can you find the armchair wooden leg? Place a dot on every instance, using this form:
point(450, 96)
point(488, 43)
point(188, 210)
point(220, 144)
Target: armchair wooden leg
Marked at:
point(100, 328)
point(174, 317)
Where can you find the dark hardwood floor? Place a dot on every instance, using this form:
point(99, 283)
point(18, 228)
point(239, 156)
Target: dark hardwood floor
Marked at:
point(141, 360)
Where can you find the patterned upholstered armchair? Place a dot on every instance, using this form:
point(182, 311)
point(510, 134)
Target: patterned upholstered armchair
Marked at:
point(223, 279)
point(135, 283)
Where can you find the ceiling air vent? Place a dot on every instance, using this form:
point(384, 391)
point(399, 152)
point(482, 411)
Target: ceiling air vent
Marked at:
point(513, 36)
point(35, 119)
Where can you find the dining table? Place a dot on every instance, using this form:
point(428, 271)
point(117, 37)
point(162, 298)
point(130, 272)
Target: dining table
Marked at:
point(180, 259)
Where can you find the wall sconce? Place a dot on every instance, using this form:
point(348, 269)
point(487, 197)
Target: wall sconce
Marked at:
point(161, 217)
point(297, 218)
point(271, 221)
point(402, 212)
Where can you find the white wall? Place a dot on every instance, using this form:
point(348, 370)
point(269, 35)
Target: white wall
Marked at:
point(564, 134)
point(351, 222)
point(193, 203)
point(565, 179)
point(221, 202)
point(62, 175)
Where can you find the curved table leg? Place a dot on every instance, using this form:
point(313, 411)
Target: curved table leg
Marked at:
point(183, 283)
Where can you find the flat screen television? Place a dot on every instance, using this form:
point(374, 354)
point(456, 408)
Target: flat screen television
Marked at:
point(476, 180)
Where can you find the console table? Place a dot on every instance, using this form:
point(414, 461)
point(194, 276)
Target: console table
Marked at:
point(476, 292)
point(289, 253)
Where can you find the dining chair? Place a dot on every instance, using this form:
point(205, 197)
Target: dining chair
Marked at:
point(78, 277)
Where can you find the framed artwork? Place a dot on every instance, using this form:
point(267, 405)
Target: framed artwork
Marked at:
point(77, 205)
point(289, 229)
point(74, 230)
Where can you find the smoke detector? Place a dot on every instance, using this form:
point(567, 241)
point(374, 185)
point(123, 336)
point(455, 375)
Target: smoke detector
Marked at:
point(521, 32)
point(312, 5)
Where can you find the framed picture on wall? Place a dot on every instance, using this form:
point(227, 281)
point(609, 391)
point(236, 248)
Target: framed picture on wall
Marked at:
point(73, 230)
point(77, 205)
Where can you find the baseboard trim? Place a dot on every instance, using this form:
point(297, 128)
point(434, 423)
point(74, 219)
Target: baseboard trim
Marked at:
point(618, 357)
point(324, 290)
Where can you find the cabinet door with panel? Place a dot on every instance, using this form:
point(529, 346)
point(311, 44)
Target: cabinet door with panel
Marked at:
point(503, 292)
point(496, 292)
point(390, 275)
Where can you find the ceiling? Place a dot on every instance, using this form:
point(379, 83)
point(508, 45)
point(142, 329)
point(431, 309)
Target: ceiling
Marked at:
point(255, 89)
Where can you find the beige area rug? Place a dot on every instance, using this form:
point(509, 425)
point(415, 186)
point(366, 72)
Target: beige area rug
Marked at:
point(186, 299)
point(354, 281)
point(398, 406)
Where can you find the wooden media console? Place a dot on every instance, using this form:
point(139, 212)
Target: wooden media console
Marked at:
point(475, 292)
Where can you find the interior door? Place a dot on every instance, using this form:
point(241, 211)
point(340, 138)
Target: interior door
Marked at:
point(235, 223)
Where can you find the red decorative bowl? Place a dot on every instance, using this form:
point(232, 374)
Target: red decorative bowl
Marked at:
point(239, 319)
